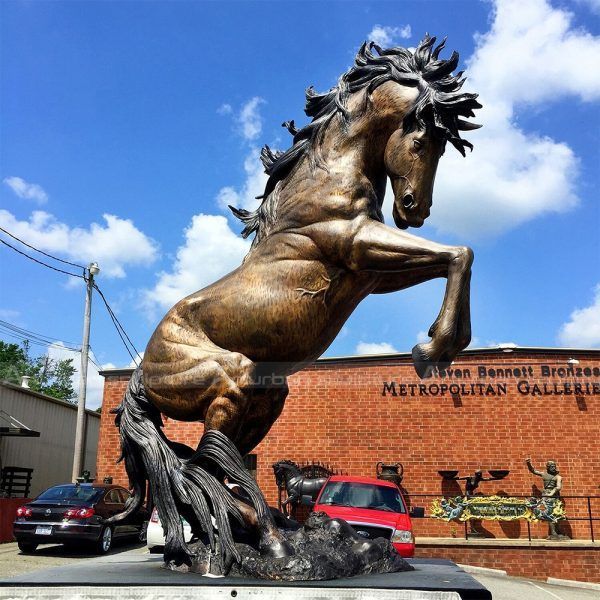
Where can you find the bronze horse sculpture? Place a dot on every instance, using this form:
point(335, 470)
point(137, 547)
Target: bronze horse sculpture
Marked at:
point(289, 477)
point(320, 246)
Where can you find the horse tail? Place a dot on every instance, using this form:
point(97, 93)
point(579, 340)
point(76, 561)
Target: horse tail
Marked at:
point(178, 486)
point(134, 465)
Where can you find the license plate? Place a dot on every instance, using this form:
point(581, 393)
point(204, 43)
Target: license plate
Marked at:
point(39, 530)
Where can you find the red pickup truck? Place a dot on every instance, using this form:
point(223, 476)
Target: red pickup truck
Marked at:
point(374, 507)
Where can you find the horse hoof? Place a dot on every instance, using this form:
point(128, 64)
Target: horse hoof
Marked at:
point(424, 366)
point(443, 362)
point(278, 549)
point(178, 562)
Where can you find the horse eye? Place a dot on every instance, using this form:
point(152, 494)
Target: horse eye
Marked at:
point(417, 145)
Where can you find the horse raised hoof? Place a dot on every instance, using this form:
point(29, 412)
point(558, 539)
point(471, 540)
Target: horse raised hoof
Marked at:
point(425, 364)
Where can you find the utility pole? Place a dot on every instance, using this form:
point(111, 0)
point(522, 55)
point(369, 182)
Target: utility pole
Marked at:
point(92, 270)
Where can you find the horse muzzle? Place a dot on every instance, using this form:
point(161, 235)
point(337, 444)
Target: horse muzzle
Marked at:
point(404, 217)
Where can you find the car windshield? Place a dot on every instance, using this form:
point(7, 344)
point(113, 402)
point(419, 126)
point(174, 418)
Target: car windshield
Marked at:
point(362, 495)
point(70, 493)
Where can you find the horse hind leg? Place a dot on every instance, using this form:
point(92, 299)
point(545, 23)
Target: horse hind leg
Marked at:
point(264, 409)
point(218, 449)
point(236, 420)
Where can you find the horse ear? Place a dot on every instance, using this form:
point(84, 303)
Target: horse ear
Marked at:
point(466, 125)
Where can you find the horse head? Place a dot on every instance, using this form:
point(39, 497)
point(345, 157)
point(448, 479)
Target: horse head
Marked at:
point(284, 470)
point(424, 111)
point(407, 104)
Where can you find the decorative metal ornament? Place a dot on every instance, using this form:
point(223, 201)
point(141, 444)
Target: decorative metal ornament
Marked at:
point(497, 508)
point(222, 355)
point(393, 472)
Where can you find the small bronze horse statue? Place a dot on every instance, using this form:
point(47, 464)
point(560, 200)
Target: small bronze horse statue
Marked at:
point(290, 477)
point(222, 355)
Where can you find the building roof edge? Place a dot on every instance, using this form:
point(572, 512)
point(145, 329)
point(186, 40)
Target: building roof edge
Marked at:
point(502, 349)
point(30, 392)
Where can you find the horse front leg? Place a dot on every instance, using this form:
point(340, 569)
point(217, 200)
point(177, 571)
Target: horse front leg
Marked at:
point(394, 282)
point(406, 260)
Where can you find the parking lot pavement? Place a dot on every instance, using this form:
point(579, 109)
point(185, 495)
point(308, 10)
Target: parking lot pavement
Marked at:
point(516, 588)
point(13, 563)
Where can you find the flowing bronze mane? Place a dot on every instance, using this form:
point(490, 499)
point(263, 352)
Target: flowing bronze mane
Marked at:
point(439, 105)
point(222, 355)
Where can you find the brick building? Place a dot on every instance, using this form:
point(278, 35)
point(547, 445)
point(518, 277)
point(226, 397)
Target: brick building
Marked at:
point(493, 408)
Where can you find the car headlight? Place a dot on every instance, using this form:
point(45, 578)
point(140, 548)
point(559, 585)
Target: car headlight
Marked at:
point(401, 536)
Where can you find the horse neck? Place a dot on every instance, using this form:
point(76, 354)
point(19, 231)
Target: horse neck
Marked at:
point(343, 166)
point(290, 471)
point(350, 157)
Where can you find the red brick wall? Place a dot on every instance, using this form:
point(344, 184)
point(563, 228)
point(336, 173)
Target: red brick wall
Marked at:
point(336, 413)
point(579, 564)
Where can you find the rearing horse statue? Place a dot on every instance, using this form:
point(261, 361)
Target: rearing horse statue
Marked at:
point(320, 246)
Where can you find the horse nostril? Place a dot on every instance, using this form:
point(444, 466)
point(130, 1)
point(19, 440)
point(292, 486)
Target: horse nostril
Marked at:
point(408, 201)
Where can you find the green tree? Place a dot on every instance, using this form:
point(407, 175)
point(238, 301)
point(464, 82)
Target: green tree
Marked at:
point(14, 362)
point(48, 376)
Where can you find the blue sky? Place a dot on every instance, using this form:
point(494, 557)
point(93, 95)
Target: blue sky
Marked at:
point(127, 126)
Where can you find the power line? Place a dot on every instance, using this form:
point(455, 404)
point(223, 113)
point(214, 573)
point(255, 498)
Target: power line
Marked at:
point(120, 329)
point(93, 361)
point(24, 335)
point(23, 338)
point(38, 339)
point(38, 336)
point(66, 262)
point(118, 326)
point(39, 261)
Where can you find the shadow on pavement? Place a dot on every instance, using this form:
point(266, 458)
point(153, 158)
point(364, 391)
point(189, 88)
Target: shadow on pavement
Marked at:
point(82, 550)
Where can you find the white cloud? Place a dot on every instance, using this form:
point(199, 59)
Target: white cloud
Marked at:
point(375, 348)
point(512, 174)
point(225, 109)
point(95, 382)
point(583, 328)
point(211, 247)
point(507, 346)
point(115, 245)
point(211, 250)
point(422, 336)
point(386, 36)
point(536, 57)
point(250, 120)
point(254, 185)
point(29, 191)
point(137, 360)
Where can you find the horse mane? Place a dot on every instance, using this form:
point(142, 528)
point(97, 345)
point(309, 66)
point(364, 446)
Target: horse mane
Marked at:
point(439, 105)
point(289, 463)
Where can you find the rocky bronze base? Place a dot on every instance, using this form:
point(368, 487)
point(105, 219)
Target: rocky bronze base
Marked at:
point(324, 549)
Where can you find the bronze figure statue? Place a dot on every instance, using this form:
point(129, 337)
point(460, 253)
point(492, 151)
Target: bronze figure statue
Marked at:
point(551, 493)
point(320, 246)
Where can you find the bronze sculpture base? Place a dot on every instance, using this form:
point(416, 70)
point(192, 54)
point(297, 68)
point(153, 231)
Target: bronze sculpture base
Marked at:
point(324, 549)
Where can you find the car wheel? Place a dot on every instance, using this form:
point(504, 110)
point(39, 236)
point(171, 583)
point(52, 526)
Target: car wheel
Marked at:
point(27, 547)
point(104, 543)
point(143, 535)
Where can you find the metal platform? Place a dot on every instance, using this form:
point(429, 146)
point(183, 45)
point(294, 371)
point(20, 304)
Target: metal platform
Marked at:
point(141, 576)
